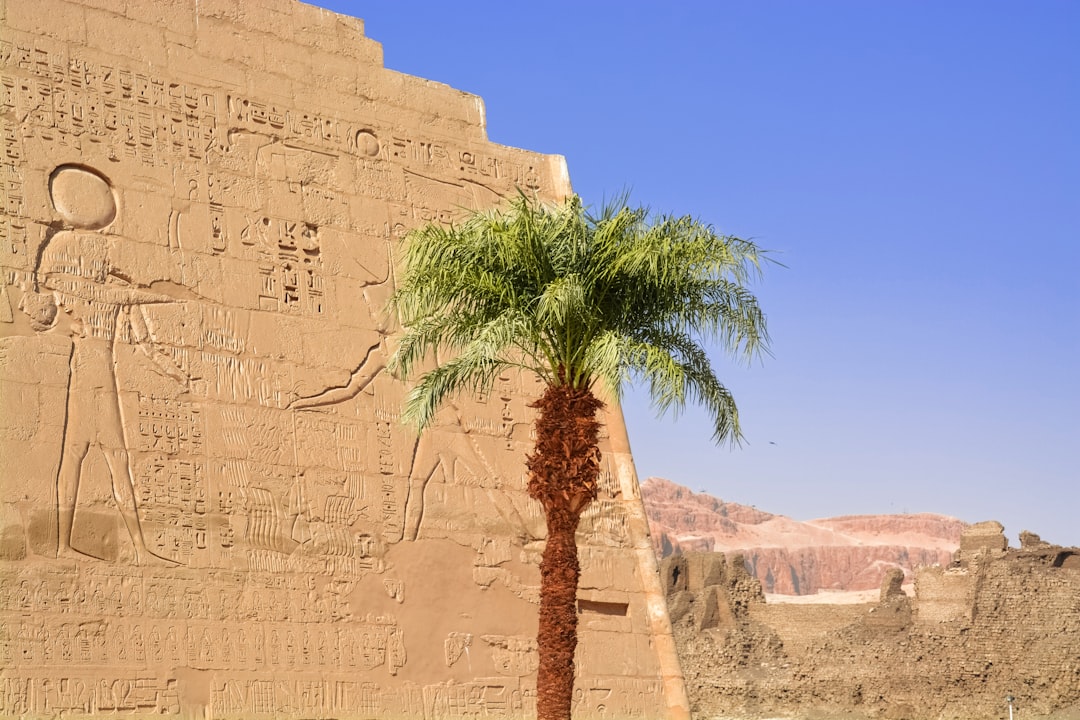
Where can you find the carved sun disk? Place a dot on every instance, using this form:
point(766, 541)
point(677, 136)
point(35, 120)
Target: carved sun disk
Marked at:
point(82, 197)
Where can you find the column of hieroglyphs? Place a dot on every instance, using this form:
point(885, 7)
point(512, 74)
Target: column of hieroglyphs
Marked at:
point(209, 507)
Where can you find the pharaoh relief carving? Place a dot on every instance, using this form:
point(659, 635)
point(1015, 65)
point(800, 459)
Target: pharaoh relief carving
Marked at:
point(100, 301)
point(209, 506)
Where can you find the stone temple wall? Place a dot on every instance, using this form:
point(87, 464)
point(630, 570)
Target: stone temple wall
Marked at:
point(209, 507)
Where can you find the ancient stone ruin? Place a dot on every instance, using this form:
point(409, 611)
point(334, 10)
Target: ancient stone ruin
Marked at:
point(209, 507)
point(995, 623)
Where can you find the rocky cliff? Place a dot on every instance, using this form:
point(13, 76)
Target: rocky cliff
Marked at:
point(790, 557)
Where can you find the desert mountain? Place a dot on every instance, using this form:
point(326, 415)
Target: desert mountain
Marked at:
point(790, 557)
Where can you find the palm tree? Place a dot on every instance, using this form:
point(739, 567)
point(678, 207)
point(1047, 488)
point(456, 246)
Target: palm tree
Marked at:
point(587, 303)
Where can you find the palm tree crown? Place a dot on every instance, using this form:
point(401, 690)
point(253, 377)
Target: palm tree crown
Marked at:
point(584, 300)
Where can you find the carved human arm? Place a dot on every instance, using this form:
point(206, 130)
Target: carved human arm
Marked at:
point(141, 334)
point(373, 363)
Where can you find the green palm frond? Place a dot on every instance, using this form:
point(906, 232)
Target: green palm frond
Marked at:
point(579, 298)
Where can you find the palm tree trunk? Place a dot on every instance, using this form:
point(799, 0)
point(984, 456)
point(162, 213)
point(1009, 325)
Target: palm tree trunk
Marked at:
point(563, 472)
point(556, 636)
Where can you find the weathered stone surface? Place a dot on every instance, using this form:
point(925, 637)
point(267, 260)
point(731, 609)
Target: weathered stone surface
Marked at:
point(1000, 623)
point(209, 507)
point(790, 557)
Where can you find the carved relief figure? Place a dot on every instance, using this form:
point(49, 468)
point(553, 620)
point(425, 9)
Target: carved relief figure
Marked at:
point(430, 454)
point(370, 366)
point(460, 462)
point(103, 305)
point(328, 529)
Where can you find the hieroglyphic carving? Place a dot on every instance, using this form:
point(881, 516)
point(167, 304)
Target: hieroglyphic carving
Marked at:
point(69, 96)
point(305, 698)
point(290, 267)
point(43, 696)
point(210, 504)
point(455, 645)
point(513, 655)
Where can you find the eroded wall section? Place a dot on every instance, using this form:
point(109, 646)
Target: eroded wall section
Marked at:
point(209, 506)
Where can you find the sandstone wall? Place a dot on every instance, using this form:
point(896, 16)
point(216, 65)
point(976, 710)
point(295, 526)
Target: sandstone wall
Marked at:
point(997, 623)
point(802, 625)
point(209, 508)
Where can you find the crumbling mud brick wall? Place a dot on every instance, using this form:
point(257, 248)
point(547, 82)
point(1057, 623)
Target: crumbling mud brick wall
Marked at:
point(999, 622)
point(208, 506)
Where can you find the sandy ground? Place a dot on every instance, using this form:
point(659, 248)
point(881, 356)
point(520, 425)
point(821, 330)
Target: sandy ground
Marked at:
point(833, 597)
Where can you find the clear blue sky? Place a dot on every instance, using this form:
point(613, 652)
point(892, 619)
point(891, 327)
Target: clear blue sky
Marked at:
point(915, 165)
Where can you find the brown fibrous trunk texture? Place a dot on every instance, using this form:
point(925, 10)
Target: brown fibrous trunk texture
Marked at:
point(563, 473)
